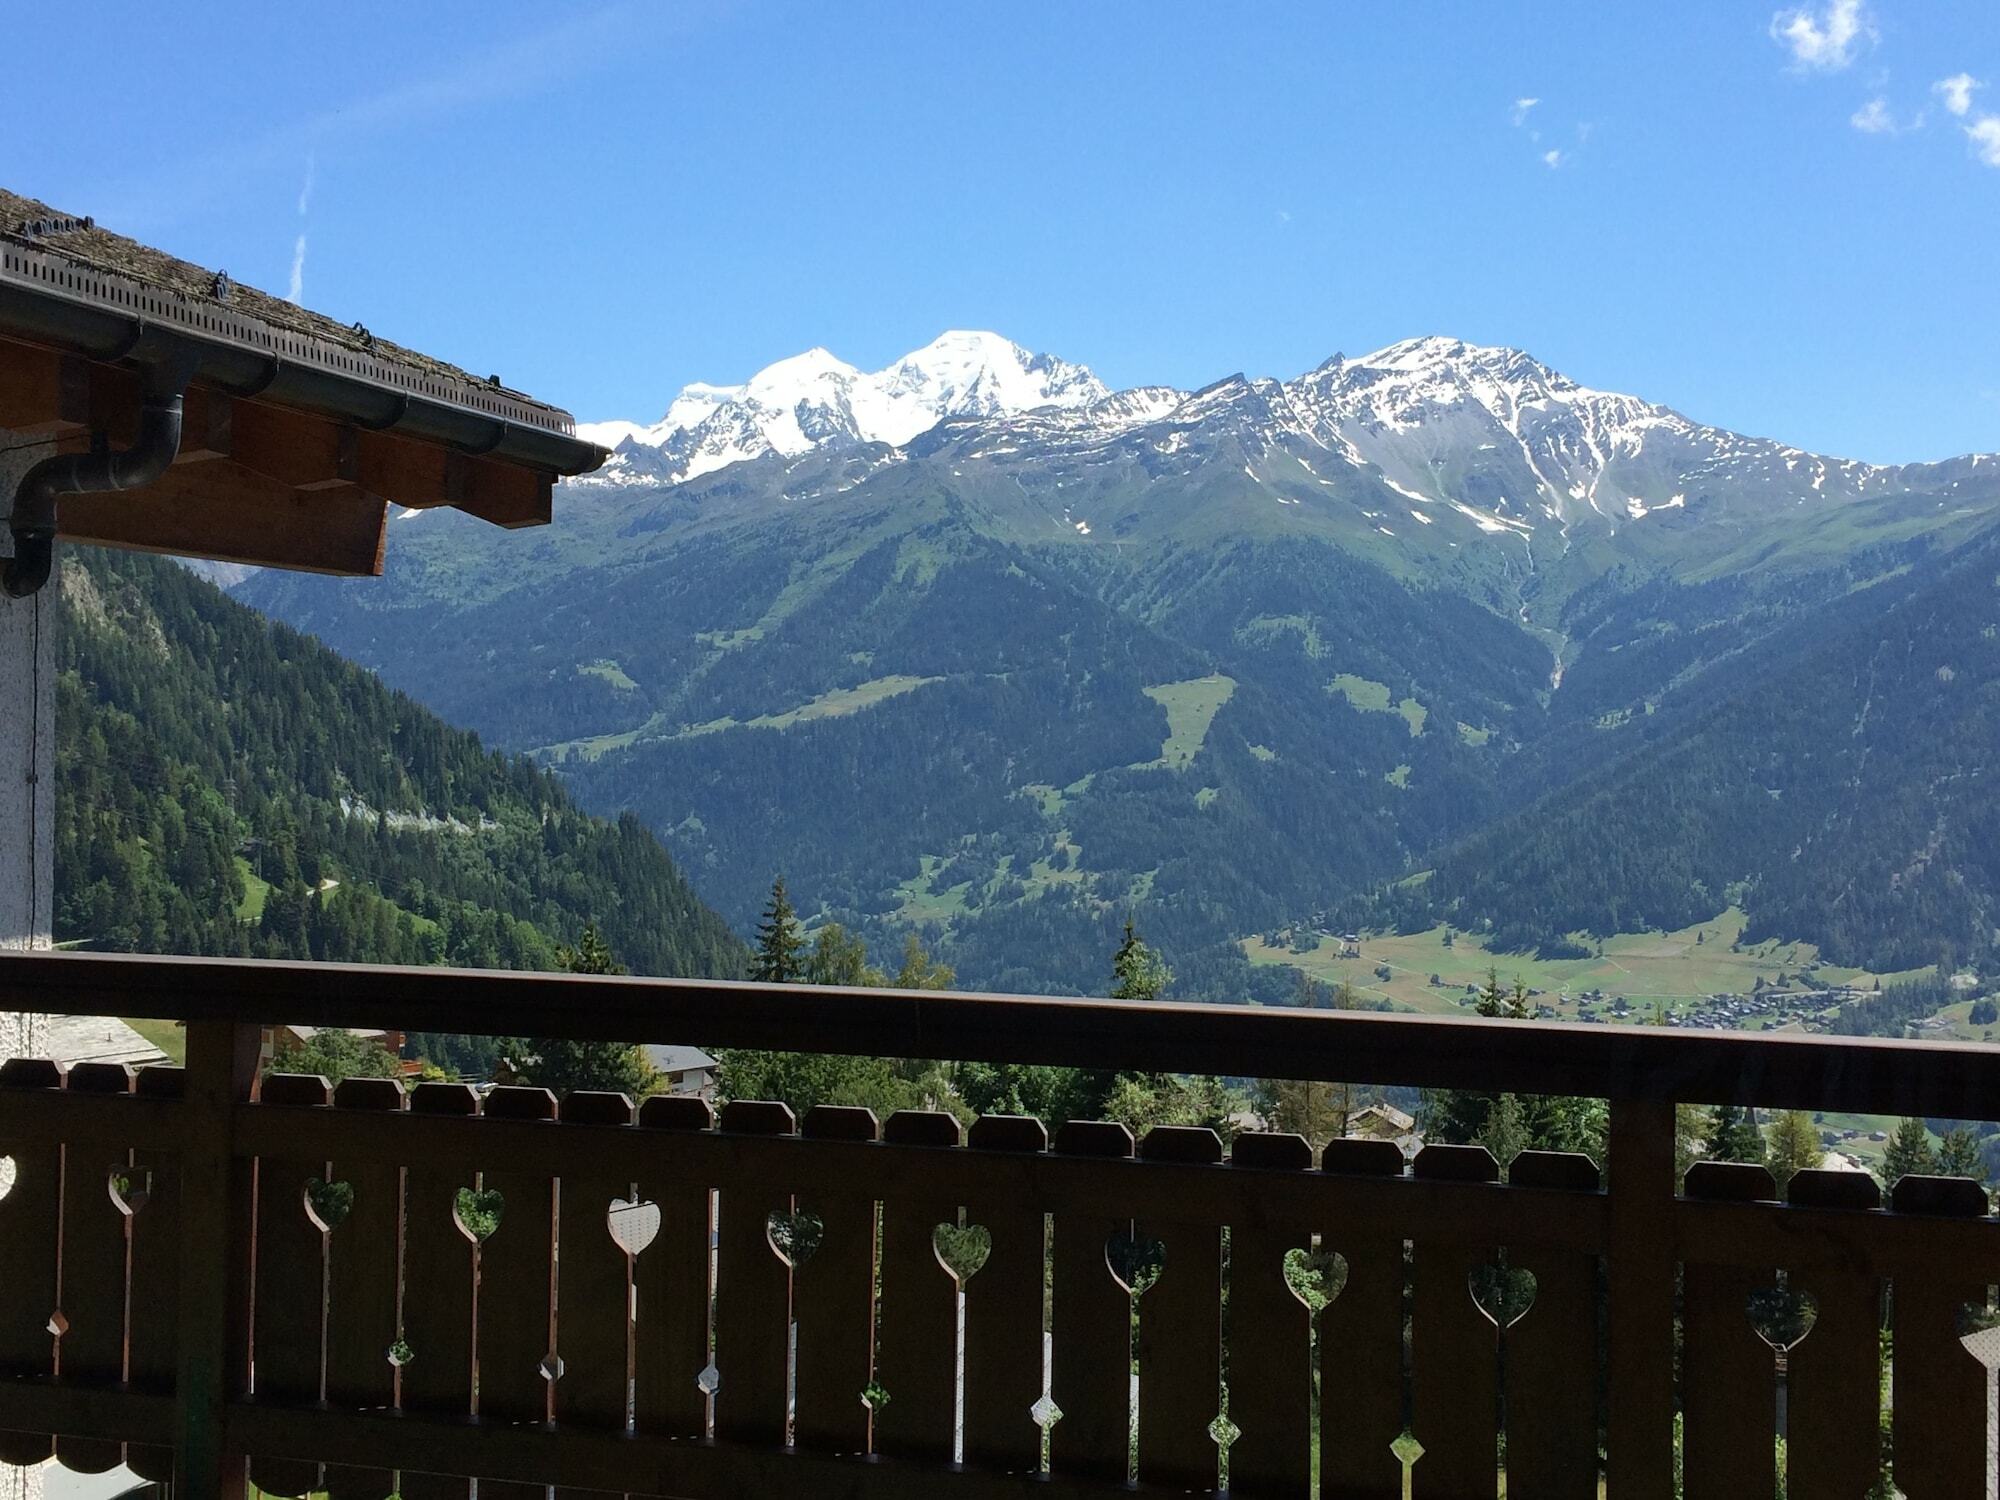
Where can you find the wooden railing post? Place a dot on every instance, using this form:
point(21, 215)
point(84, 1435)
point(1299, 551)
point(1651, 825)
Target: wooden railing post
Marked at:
point(1640, 1323)
point(215, 1253)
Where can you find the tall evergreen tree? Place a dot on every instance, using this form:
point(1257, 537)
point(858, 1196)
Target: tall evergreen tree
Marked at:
point(561, 1064)
point(1137, 970)
point(1732, 1135)
point(1909, 1154)
point(780, 956)
point(1958, 1155)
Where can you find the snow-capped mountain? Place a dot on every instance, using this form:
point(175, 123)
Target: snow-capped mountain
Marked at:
point(1432, 442)
point(1448, 421)
point(1437, 433)
point(817, 401)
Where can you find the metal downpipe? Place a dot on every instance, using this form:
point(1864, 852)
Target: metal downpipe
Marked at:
point(33, 521)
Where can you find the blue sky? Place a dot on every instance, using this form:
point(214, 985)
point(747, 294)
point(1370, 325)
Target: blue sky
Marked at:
point(1772, 219)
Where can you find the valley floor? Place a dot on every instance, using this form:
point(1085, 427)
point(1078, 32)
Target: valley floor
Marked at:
point(1654, 974)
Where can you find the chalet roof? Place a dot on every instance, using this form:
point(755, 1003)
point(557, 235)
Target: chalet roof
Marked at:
point(291, 432)
point(36, 227)
point(98, 1039)
point(668, 1058)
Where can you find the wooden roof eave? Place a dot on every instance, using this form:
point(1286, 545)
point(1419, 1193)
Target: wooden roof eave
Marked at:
point(291, 452)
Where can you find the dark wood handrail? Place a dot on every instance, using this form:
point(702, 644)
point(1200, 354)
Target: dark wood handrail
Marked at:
point(1937, 1079)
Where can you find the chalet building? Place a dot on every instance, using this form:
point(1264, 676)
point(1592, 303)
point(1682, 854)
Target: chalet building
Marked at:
point(1384, 1122)
point(683, 1070)
point(220, 1280)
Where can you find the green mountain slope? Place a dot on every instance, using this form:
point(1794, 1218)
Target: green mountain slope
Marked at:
point(1837, 779)
point(228, 786)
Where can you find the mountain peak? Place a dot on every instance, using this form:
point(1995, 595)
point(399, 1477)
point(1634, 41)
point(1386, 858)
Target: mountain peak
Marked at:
point(817, 400)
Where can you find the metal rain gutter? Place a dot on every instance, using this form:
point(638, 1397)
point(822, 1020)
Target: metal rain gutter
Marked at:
point(50, 299)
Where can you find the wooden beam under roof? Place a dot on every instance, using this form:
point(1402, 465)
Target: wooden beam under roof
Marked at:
point(254, 482)
point(223, 511)
point(43, 393)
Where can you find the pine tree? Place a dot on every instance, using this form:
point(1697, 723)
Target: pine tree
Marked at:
point(1137, 971)
point(562, 1064)
point(1492, 1002)
point(1732, 1135)
point(780, 957)
point(1909, 1154)
point(591, 955)
point(1506, 1132)
point(1793, 1147)
point(1958, 1155)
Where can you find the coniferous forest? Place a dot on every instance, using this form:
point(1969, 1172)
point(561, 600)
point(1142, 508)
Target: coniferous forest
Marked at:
point(228, 786)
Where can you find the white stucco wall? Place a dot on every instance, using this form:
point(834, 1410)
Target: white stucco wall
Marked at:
point(27, 757)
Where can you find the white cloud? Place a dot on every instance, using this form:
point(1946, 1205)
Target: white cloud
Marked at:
point(1553, 159)
point(306, 191)
point(1876, 118)
point(1984, 133)
point(298, 286)
point(1825, 40)
point(1519, 114)
point(1956, 92)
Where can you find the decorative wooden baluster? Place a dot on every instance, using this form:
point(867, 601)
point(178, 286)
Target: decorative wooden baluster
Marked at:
point(438, 1290)
point(672, 1289)
point(1639, 1317)
point(594, 1292)
point(515, 1311)
point(1940, 1389)
point(1003, 1303)
point(1834, 1386)
point(1270, 1337)
point(1551, 1354)
point(833, 1299)
point(29, 1216)
point(753, 1298)
point(361, 1327)
point(918, 1365)
point(1362, 1332)
point(1091, 1325)
point(291, 1284)
point(1729, 1383)
point(91, 1350)
point(1454, 1351)
point(156, 1274)
point(1180, 1331)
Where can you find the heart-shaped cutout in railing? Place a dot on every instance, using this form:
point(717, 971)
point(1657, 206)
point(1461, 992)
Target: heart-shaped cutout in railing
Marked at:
point(1316, 1277)
point(477, 1212)
point(962, 1248)
point(328, 1203)
point(633, 1225)
point(1979, 1331)
point(9, 1170)
point(1781, 1315)
point(1504, 1293)
point(794, 1234)
point(1135, 1259)
point(129, 1187)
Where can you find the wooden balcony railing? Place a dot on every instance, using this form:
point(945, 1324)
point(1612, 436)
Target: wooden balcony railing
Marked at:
point(190, 1276)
